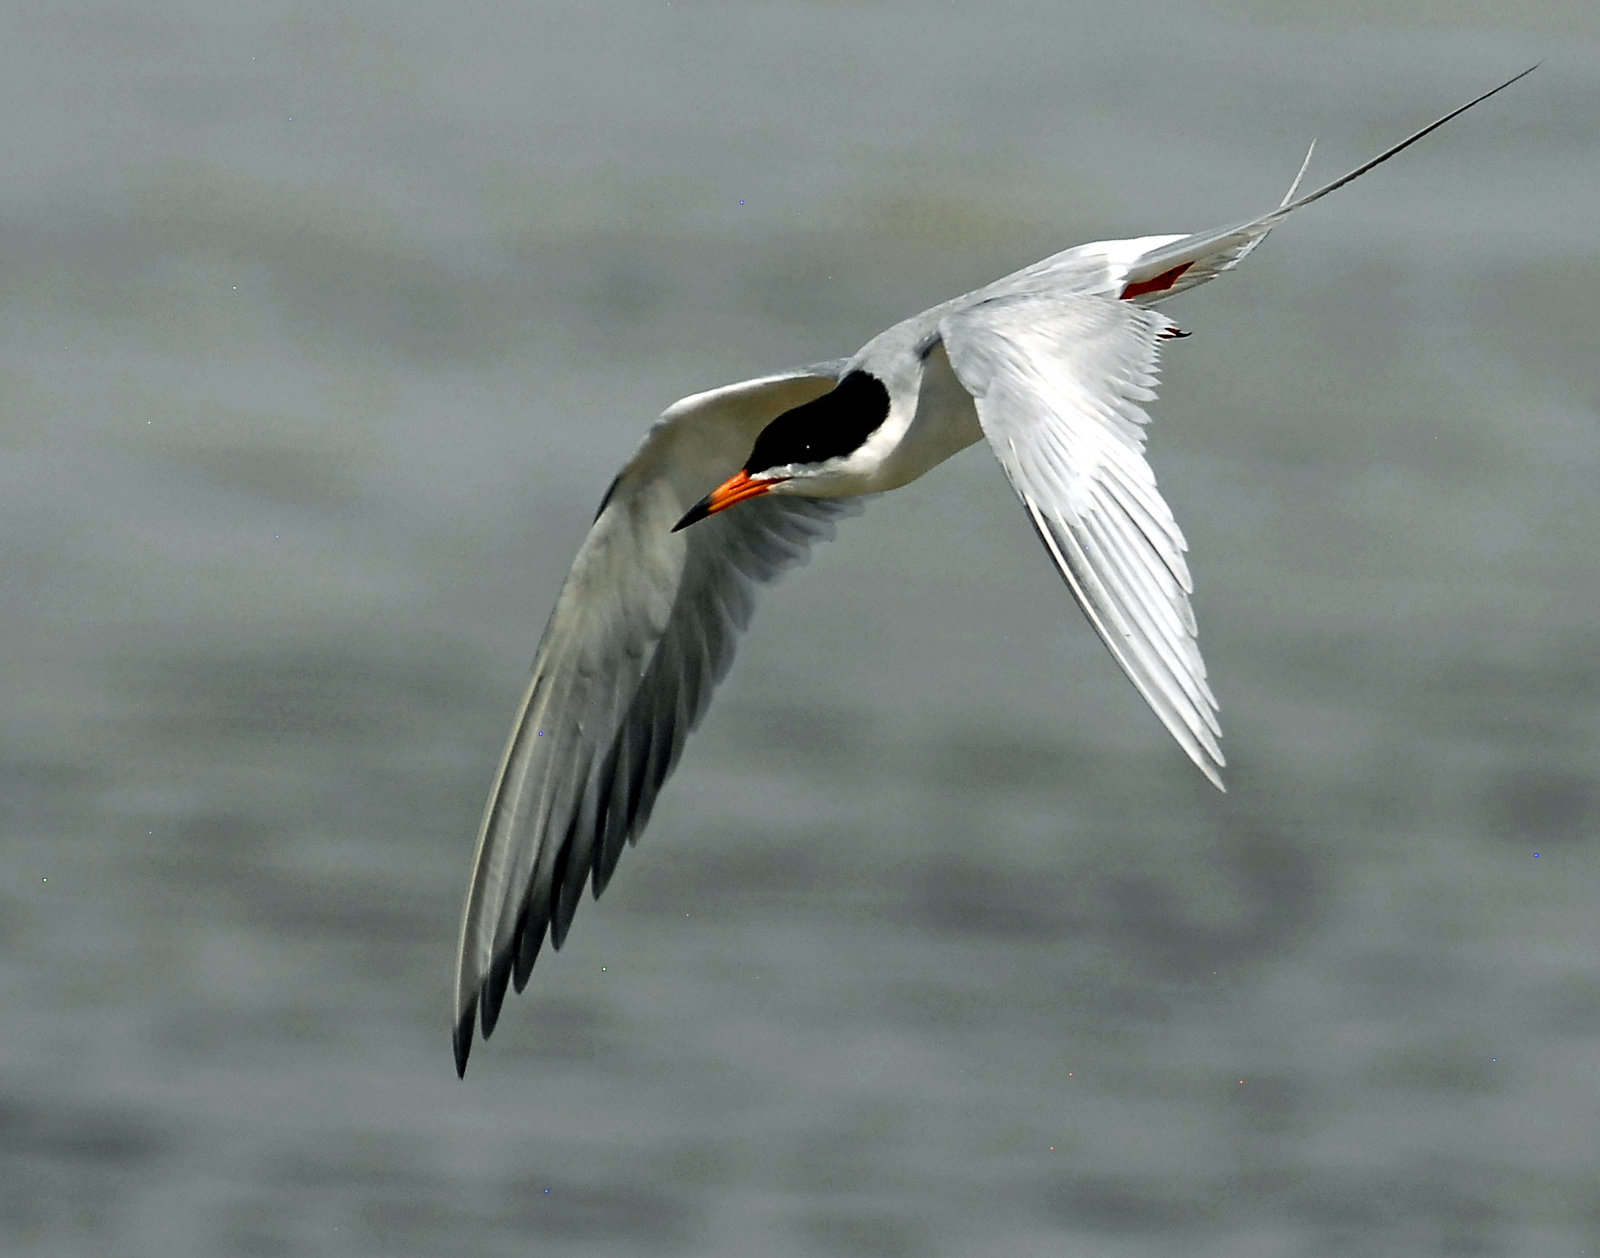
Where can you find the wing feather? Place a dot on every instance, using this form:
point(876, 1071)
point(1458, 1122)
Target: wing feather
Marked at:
point(1057, 382)
point(644, 629)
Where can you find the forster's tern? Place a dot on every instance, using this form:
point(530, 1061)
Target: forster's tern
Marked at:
point(1050, 366)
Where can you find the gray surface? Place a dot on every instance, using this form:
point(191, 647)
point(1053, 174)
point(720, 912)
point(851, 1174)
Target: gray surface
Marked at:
point(314, 327)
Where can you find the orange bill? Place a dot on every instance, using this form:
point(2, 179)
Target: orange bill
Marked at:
point(736, 488)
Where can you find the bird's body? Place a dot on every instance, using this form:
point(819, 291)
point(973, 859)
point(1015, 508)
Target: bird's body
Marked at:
point(1049, 365)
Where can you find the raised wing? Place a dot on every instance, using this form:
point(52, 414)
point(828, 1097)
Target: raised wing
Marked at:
point(642, 632)
point(1058, 358)
point(1058, 382)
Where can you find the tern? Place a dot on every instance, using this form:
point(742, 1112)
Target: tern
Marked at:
point(1050, 366)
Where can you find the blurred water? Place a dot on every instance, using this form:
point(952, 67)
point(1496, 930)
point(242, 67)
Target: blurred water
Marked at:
point(322, 327)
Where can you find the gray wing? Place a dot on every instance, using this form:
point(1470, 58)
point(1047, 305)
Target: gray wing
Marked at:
point(1058, 382)
point(643, 630)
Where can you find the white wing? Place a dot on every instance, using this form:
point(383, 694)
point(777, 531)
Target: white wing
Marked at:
point(642, 632)
point(1058, 383)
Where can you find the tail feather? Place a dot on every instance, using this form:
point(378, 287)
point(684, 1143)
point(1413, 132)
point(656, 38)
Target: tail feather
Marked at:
point(1299, 175)
point(1192, 260)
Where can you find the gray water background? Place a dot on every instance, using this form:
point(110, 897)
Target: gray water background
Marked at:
point(322, 328)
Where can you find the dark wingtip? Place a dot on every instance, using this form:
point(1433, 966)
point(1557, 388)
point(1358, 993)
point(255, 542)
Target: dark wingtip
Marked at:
point(525, 947)
point(461, 1037)
point(694, 514)
point(494, 990)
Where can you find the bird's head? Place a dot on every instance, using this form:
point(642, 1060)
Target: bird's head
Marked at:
point(806, 450)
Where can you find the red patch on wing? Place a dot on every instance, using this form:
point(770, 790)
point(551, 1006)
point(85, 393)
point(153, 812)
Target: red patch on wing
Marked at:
point(1159, 284)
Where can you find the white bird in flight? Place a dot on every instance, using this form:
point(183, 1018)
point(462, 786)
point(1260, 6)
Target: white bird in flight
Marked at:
point(1050, 366)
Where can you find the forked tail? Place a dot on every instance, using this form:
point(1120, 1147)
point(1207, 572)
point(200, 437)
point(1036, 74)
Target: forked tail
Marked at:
point(1191, 260)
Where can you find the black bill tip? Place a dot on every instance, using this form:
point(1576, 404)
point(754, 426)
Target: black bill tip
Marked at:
point(694, 514)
